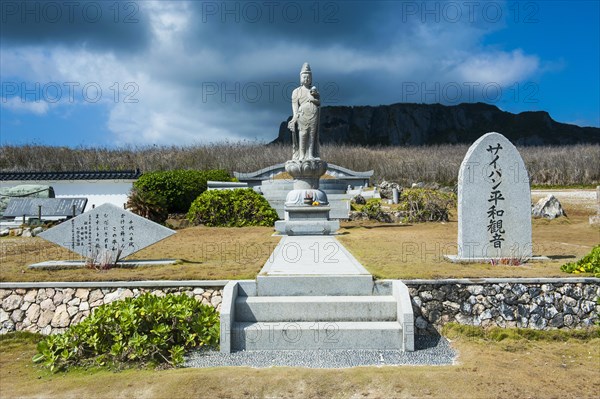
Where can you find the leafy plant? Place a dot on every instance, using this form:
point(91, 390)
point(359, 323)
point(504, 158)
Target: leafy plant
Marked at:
point(232, 208)
point(179, 187)
point(148, 204)
point(143, 330)
point(588, 264)
point(373, 209)
point(425, 205)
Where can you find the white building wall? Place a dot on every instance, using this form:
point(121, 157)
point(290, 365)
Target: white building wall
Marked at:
point(97, 192)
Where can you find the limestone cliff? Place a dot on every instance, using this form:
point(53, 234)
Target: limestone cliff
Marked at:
point(419, 124)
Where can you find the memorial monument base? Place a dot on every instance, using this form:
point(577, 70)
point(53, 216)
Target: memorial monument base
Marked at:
point(307, 220)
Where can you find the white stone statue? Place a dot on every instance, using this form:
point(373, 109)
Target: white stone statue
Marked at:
point(305, 107)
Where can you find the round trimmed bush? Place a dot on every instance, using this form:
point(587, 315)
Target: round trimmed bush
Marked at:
point(232, 208)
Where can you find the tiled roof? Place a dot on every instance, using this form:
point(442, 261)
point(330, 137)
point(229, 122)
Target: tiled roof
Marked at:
point(44, 176)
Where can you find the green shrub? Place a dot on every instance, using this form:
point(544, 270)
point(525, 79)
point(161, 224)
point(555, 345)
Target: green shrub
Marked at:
point(232, 208)
point(588, 264)
point(146, 329)
point(425, 205)
point(373, 210)
point(179, 187)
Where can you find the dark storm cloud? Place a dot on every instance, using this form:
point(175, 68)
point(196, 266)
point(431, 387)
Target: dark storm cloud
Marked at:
point(112, 25)
point(322, 24)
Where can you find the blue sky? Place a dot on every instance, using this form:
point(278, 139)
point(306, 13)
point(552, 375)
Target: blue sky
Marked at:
point(106, 73)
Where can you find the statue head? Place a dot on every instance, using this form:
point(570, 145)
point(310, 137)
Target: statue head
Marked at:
point(306, 75)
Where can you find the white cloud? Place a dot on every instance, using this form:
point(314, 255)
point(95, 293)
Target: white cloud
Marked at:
point(16, 104)
point(170, 72)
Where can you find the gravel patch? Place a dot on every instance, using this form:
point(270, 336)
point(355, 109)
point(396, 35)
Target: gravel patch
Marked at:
point(429, 351)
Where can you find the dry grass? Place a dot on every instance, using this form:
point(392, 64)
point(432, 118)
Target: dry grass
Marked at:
point(386, 250)
point(204, 253)
point(485, 369)
point(560, 165)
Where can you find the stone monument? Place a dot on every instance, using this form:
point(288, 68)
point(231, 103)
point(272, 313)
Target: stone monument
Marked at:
point(494, 203)
point(106, 232)
point(306, 206)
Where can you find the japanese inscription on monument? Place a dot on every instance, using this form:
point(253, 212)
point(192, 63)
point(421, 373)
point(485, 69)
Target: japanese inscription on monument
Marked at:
point(494, 202)
point(106, 228)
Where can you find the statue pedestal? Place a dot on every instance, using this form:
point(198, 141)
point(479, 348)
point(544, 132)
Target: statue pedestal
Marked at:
point(306, 176)
point(307, 220)
point(306, 207)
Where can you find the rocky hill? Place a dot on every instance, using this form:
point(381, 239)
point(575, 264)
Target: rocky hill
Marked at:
point(419, 124)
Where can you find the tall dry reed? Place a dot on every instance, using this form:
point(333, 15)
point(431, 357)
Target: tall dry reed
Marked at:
point(561, 165)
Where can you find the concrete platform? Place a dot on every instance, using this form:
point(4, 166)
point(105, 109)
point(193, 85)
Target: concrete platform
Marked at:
point(325, 265)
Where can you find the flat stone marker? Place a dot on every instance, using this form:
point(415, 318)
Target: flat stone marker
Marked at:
point(50, 206)
point(106, 228)
point(494, 202)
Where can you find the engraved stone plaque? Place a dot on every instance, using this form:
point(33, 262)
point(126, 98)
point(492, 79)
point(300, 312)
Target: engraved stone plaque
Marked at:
point(107, 228)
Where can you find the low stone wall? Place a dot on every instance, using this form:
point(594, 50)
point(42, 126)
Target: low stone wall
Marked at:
point(526, 303)
point(51, 310)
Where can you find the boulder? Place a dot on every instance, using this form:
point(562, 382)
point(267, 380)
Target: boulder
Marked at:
point(359, 200)
point(386, 189)
point(548, 207)
point(4, 232)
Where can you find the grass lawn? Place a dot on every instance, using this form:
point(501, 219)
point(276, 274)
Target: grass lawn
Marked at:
point(486, 368)
point(386, 250)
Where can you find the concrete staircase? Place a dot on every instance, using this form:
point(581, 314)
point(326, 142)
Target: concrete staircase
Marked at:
point(303, 302)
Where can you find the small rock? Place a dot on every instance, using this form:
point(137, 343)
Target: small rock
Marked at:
point(216, 300)
point(45, 318)
point(17, 316)
point(95, 295)
point(33, 313)
point(47, 304)
point(61, 317)
point(359, 200)
point(37, 230)
point(4, 232)
point(3, 316)
point(475, 289)
point(386, 189)
point(548, 208)
point(27, 233)
point(421, 323)
point(82, 293)
point(12, 302)
point(30, 296)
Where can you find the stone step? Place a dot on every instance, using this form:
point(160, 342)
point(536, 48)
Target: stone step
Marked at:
point(316, 308)
point(315, 285)
point(316, 335)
